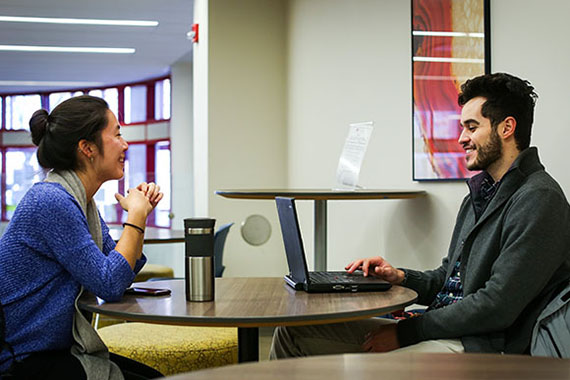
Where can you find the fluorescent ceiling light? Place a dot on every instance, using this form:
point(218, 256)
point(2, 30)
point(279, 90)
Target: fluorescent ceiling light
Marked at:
point(448, 34)
point(78, 21)
point(48, 83)
point(66, 49)
point(448, 59)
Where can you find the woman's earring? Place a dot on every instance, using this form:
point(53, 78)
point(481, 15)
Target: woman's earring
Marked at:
point(91, 159)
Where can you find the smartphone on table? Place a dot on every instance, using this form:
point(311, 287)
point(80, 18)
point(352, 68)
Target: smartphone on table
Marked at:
point(140, 291)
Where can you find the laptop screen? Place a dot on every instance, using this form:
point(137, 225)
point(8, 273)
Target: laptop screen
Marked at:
point(292, 239)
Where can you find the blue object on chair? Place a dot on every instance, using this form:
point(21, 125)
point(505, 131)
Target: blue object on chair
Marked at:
point(219, 242)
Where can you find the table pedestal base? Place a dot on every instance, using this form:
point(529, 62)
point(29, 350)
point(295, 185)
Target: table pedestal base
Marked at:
point(320, 235)
point(248, 344)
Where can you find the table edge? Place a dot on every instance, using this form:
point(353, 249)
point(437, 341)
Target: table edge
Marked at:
point(259, 321)
point(316, 194)
point(247, 321)
point(470, 360)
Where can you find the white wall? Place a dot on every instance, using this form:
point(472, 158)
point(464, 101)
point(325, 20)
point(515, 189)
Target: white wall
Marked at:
point(529, 40)
point(285, 78)
point(245, 118)
point(200, 63)
point(181, 133)
point(350, 61)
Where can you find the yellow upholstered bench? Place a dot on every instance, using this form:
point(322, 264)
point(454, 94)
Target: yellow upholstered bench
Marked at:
point(173, 349)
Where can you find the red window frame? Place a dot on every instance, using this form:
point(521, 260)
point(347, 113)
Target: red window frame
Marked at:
point(150, 144)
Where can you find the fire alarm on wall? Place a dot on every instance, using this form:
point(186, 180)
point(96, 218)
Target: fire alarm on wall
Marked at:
point(193, 34)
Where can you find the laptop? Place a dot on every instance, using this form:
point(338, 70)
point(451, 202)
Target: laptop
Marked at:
point(299, 276)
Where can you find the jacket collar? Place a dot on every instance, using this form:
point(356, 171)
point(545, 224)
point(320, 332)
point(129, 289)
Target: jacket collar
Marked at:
point(527, 161)
point(524, 165)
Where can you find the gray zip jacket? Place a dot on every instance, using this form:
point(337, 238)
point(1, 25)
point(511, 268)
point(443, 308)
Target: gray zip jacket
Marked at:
point(512, 260)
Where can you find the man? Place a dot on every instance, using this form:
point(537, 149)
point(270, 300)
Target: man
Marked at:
point(509, 251)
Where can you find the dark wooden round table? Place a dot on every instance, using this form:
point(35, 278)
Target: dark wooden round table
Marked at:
point(249, 303)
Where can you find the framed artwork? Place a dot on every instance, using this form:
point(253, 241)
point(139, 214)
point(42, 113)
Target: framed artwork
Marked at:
point(450, 44)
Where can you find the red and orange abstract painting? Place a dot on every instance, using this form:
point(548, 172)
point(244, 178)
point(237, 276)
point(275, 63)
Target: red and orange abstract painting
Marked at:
point(448, 47)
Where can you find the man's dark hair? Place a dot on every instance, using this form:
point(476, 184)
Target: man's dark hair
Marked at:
point(506, 96)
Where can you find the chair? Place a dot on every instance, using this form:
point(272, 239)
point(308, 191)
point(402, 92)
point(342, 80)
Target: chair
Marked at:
point(175, 349)
point(219, 243)
point(551, 332)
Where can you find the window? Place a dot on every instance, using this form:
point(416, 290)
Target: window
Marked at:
point(145, 160)
point(22, 171)
point(19, 110)
point(162, 159)
point(135, 104)
point(58, 97)
point(111, 96)
point(139, 168)
point(106, 202)
point(162, 100)
point(135, 166)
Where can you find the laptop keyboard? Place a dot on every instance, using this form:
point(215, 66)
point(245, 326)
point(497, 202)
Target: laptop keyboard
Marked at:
point(333, 277)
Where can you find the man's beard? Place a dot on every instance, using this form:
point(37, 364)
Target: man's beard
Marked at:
point(488, 153)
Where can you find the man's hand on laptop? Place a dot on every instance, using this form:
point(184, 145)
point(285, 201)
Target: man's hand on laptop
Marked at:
point(378, 267)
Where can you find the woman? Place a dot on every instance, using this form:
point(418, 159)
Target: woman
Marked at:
point(56, 245)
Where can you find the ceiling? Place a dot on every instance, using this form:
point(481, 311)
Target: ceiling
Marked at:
point(157, 48)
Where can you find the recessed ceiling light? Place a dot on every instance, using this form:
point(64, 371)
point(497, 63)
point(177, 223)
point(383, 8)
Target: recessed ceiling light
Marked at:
point(78, 21)
point(67, 49)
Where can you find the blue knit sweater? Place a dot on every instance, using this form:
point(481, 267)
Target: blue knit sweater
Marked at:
point(46, 255)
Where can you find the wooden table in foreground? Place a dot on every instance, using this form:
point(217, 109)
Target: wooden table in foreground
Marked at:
point(249, 303)
point(400, 366)
point(153, 235)
point(321, 196)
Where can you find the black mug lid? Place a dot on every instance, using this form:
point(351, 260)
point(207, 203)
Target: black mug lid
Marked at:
point(199, 223)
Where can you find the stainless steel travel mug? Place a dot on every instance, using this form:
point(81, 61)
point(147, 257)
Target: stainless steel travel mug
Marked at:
point(199, 258)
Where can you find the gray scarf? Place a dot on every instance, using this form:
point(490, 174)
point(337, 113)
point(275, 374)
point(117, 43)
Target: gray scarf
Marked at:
point(88, 346)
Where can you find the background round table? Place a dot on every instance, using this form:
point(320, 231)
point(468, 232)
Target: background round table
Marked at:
point(153, 235)
point(320, 197)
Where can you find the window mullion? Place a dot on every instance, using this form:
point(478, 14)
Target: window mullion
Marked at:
point(3, 184)
point(3, 121)
point(151, 174)
point(150, 101)
point(121, 106)
point(45, 101)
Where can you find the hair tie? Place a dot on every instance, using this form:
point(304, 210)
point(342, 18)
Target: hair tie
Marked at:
point(139, 229)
